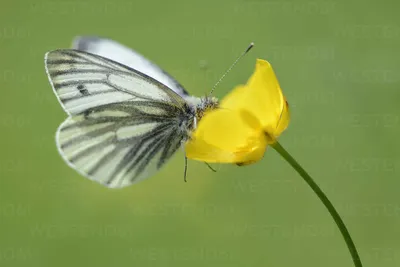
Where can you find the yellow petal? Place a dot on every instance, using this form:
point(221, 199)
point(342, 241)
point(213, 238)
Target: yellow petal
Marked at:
point(237, 99)
point(225, 136)
point(284, 120)
point(262, 96)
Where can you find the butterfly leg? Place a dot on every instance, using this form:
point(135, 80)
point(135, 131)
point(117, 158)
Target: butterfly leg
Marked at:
point(211, 168)
point(185, 170)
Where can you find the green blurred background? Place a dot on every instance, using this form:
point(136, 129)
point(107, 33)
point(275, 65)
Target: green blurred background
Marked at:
point(338, 63)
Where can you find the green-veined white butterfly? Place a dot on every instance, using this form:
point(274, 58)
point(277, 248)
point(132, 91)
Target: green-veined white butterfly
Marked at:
point(127, 116)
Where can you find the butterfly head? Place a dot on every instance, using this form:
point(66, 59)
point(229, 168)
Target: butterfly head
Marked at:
point(206, 104)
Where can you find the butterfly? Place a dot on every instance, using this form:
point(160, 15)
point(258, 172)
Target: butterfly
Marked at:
point(126, 116)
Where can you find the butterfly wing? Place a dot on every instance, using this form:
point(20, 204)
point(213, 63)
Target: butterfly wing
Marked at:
point(123, 125)
point(120, 53)
point(82, 80)
point(119, 144)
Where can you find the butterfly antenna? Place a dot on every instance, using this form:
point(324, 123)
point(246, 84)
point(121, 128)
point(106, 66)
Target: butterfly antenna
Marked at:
point(234, 63)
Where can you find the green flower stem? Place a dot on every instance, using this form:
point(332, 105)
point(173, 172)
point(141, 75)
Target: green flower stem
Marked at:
point(307, 178)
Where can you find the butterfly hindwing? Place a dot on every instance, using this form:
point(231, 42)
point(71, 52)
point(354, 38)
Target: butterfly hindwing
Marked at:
point(119, 144)
point(115, 51)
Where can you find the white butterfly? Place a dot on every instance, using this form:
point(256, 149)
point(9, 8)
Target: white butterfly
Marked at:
point(127, 116)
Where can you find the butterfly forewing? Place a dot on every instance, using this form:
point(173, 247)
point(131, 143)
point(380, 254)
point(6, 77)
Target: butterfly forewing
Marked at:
point(120, 53)
point(82, 81)
point(123, 125)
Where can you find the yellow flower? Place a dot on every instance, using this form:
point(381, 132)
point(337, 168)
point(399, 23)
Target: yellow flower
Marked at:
point(247, 120)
